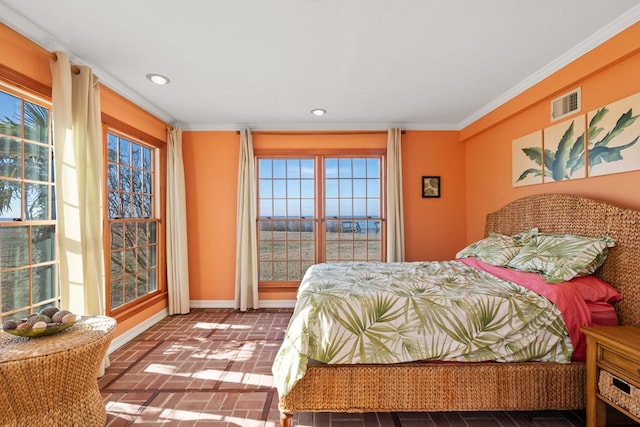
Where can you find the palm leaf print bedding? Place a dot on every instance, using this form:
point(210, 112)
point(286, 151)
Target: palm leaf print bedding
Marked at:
point(378, 312)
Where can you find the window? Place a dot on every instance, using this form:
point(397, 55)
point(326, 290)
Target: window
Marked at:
point(28, 257)
point(133, 221)
point(318, 208)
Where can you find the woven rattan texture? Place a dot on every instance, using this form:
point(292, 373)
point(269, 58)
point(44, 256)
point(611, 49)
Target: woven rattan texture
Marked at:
point(562, 213)
point(52, 381)
point(488, 386)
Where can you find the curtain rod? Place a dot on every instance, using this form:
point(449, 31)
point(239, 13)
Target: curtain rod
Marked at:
point(74, 68)
point(337, 132)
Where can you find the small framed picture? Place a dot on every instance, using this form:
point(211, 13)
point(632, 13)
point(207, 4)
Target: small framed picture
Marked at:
point(430, 186)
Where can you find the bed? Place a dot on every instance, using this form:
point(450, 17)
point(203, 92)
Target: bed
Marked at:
point(486, 386)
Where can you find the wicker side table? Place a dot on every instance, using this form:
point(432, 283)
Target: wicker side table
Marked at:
point(52, 380)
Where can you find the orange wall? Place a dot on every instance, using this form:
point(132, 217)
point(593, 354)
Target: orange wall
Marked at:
point(608, 73)
point(434, 228)
point(211, 177)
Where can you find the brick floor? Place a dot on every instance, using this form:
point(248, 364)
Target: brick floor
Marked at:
point(212, 367)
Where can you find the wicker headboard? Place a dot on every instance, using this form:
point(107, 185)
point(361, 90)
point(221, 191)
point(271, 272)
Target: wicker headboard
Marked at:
point(564, 213)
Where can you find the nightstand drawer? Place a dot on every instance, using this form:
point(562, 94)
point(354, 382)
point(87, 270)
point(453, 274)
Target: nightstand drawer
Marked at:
point(615, 360)
point(620, 392)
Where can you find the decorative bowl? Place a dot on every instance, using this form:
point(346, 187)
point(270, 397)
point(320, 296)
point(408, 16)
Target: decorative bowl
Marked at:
point(40, 332)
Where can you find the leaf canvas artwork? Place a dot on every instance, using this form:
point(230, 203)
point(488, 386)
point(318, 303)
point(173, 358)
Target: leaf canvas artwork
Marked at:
point(613, 137)
point(564, 150)
point(526, 158)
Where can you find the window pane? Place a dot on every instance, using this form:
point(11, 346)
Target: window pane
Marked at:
point(10, 114)
point(152, 232)
point(142, 233)
point(10, 158)
point(117, 289)
point(117, 264)
point(306, 207)
point(280, 188)
point(15, 294)
point(373, 168)
point(124, 151)
point(14, 247)
point(147, 183)
point(265, 208)
point(307, 188)
point(125, 179)
point(373, 188)
point(153, 282)
point(152, 257)
point(130, 291)
point(264, 188)
point(113, 205)
point(293, 168)
point(43, 244)
point(10, 200)
point(293, 189)
point(279, 170)
point(306, 169)
point(346, 188)
point(331, 168)
point(265, 168)
point(137, 181)
point(331, 188)
point(345, 168)
point(130, 261)
point(146, 158)
point(44, 283)
point(130, 235)
point(136, 156)
point(359, 188)
point(36, 122)
point(359, 168)
point(143, 283)
point(112, 148)
point(36, 202)
point(293, 208)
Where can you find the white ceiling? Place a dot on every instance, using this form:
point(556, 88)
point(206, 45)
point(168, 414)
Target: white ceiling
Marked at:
point(372, 64)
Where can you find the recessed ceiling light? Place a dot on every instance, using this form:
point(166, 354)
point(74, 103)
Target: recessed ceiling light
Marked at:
point(318, 112)
point(158, 79)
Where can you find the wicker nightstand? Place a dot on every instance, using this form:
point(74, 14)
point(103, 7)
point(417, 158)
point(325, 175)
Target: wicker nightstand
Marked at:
point(51, 381)
point(613, 372)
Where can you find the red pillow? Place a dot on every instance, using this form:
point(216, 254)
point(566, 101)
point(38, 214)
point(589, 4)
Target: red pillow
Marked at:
point(594, 289)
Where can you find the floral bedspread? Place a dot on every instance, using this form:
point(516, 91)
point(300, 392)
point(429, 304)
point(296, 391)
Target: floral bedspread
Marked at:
point(400, 312)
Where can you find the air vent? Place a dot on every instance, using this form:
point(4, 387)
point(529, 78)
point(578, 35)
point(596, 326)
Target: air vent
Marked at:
point(565, 105)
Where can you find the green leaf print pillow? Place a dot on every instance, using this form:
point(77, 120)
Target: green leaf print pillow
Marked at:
point(561, 257)
point(497, 249)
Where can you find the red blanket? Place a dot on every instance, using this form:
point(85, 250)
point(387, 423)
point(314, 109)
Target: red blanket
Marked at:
point(564, 295)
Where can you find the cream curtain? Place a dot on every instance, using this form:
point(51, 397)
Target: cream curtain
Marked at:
point(77, 133)
point(77, 136)
point(177, 253)
point(246, 241)
point(395, 215)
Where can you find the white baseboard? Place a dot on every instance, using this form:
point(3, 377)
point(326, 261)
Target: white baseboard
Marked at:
point(212, 303)
point(121, 340)
point(232, 304)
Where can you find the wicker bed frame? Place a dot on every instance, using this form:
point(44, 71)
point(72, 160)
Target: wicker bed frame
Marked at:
point(423, 387)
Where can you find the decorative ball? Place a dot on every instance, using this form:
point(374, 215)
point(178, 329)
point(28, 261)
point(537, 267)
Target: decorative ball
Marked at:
point(69, 318)
point(39, 325)
point(10, 324)
point(59, 315)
